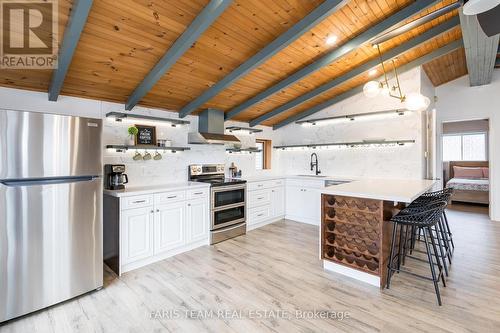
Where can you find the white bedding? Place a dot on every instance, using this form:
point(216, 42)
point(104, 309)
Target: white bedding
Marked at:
point(469, 184)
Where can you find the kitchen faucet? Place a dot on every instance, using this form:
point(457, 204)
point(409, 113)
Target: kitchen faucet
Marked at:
point(315, 164)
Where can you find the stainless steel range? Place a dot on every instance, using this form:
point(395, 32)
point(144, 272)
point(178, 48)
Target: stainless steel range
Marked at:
point(227, 201)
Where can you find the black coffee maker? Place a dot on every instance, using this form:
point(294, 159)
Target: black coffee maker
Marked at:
point(114, 177)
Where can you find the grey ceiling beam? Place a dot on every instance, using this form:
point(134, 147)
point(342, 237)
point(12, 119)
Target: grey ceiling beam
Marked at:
point(324, 10)
point(72, 33)
point(201, 23)
point(395, 52)
point(480, 50)
point(359, 89)
point(337, 53)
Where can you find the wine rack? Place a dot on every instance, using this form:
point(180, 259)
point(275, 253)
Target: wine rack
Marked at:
point(354, 233)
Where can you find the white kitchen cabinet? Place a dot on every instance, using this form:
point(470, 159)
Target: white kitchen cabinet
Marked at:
point(303, 204)
point(144, 228)
point(278, 201)
point(266, 202)
point(294, 204)
point(198, 220)
point(137, 237)
point(170, 225)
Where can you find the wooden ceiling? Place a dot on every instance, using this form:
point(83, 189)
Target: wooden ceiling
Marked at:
point(446, 68)
point(123, 40)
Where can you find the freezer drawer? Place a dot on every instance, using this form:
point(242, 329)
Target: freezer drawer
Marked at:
point(45, 145)
point(50, 242)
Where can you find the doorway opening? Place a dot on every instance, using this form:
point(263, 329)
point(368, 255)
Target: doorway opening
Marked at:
point(465, 166)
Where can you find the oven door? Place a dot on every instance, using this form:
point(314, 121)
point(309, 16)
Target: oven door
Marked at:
point(228, 196)
point(228, 216)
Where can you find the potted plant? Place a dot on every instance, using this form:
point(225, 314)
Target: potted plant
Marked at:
point(132, 132)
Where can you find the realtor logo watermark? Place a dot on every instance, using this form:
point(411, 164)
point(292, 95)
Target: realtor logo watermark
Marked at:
point(28, 35)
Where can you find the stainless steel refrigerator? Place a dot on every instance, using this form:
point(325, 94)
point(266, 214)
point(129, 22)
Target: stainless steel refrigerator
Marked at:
point(50, 210)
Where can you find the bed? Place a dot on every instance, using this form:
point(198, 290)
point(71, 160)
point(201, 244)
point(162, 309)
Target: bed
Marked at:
point(469, 180)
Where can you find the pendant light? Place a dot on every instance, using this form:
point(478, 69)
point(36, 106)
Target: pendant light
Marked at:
point(474, 7)
point(416, 102)
point(413, 101)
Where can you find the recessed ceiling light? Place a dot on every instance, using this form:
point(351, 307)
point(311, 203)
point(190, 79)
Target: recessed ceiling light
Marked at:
point(372, 72)
point(331, 39)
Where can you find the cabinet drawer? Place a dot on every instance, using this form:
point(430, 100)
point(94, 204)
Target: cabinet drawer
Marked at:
point(168, 197)
point(256, 186)
point(259, 198)
point(253, 186)
point(199, 193)
point(259, 214)
point(137, 201)
point(277, 182)
point(305, 183)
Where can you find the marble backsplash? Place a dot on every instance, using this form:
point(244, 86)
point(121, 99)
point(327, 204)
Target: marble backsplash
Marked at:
point(173, 167)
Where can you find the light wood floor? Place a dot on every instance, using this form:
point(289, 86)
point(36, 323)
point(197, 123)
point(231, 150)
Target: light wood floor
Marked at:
point(277, 267)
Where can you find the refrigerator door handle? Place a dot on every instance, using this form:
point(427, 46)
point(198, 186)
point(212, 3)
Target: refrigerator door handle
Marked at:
point(45, 181)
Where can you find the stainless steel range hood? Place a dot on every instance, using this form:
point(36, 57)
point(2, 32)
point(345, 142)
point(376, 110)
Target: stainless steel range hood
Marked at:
point(211, 129)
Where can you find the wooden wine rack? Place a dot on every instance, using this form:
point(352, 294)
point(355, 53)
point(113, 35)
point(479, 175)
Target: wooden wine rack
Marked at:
point(355, 233)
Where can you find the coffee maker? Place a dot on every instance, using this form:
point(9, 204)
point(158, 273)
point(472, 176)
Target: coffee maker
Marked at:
point(114, 177)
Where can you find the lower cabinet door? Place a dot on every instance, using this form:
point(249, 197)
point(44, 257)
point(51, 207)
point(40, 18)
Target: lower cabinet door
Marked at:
point(137, 234)
point(294, 201)
point(198, 218)
point(278, 201)
point(169, 230)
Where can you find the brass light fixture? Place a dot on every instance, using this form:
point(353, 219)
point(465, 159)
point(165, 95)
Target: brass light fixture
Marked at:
point(412, 101)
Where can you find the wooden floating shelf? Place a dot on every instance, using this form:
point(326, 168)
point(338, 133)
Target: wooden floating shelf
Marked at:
point(238, 128)
point(352, 117)
point(119, 116)
point(367, 143)
point(120, 148)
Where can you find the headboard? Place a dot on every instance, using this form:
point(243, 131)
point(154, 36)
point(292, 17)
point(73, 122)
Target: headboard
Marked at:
point(468, 164)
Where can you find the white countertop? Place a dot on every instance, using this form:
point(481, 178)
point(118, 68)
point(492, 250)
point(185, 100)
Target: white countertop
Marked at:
point(400, 190)
point(261, 178)
point(138, 190)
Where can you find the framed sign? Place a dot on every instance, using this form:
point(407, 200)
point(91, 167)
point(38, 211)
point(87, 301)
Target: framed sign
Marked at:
point(146, 135)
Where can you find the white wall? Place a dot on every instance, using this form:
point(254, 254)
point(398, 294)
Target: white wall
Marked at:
point(172, 168)
point(429, 126)
point(458, 101)
point(388, 162)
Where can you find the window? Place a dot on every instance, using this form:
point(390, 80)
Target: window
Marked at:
point(465, 147)
point(263, 157)
point(259, 156)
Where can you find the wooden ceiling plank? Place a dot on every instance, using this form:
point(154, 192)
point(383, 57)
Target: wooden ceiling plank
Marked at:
point(316, 16)
point(393, 53)
point(420, 61)
point(207, 16)
point(71, 37)
point(342, 50)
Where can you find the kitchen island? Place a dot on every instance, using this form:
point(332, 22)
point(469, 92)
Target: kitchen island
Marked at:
point(355, 232)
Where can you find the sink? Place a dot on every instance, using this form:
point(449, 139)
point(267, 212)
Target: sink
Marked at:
point(312, 176)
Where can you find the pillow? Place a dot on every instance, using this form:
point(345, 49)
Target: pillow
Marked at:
point(464, 172)
point(486, 172)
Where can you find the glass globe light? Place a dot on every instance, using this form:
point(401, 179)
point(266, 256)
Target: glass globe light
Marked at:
point(371, 89)
point(416, 102)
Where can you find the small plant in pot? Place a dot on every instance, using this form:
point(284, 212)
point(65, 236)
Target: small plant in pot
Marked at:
point(132, 132)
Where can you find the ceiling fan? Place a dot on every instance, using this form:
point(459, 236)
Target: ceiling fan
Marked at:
point(488, 14)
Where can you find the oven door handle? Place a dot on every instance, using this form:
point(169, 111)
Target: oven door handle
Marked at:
point(236, 205)
point(228, 188)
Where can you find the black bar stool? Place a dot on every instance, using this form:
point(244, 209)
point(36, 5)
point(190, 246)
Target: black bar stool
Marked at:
point(444, 195)
point(423, 221)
